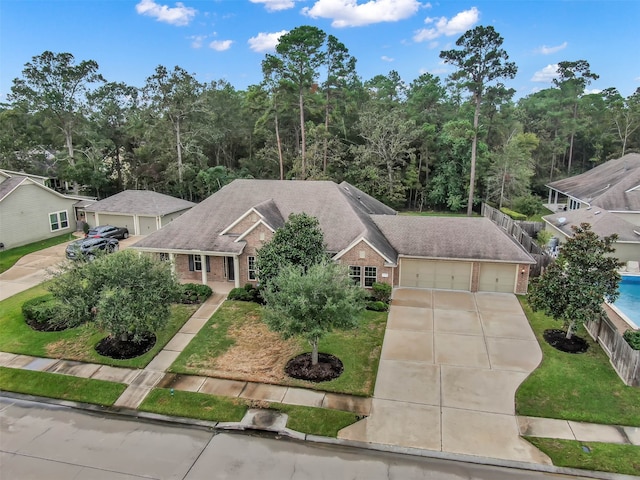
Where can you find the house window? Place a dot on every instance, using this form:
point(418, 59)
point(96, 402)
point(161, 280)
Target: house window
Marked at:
point(164, 257)
point(195, 263)
point(252, 267)
point(355, 274)
point(58, 220)
point(370, 276)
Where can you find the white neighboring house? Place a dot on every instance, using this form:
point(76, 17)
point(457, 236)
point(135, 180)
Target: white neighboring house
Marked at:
point(30, 211)
point(607, 197)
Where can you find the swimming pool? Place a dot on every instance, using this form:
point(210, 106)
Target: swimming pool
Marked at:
point(628, 304)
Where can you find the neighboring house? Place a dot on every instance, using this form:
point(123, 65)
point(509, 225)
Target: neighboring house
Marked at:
point(141, 211)
point(31, 211)
point(603, 223)
point(218, 239)
point(607, 197)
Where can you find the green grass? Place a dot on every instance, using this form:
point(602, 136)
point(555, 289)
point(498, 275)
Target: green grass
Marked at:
point(538, 216)
point(315, 421)
point(581, 387)
point(8, 258)
point(429, 213)
point(74, 343)
point(63, 387)
point(604, 457)
point(359, 349)
point(194, 405)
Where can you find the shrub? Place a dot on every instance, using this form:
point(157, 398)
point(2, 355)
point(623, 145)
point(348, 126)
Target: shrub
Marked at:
point(381, 292)
point(47, 313)
point(195, 293)
point(512, 214)
point(248, 293)
point(529, 205)
point(377, 306)
point(633, 338)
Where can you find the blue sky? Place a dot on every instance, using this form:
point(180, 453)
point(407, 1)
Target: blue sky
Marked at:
point(228, 39)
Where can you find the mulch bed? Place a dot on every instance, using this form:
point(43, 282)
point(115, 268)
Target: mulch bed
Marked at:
point(558, 340)
point(45, 326)
point(327, 368)
point(115, 348)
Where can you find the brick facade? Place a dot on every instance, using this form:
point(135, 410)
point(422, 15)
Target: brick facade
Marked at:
point(363, 255)
point(254, 241)
point(523, 278)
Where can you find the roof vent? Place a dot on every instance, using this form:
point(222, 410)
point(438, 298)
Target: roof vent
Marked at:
point(562, 221)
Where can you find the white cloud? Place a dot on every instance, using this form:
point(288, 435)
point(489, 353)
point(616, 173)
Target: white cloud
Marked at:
point(197, 40)
point(350, 13)
point(546, 75)
point(544, 50)
point(592, 91)
point(178, 15)
point(387, 59)
point(221, 45)
point(264, 42)
point(458, 24)
point(276, 5)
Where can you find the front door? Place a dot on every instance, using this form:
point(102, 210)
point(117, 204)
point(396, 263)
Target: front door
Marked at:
point(231, 274)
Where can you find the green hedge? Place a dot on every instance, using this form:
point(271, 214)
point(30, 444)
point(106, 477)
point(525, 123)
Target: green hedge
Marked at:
point(633, 338)
point(512, 214)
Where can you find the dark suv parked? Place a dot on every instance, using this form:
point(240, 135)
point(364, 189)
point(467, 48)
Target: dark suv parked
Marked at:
point(87, 248)
point(108, 231)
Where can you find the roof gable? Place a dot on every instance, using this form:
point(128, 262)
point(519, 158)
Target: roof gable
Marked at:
point(602, 222)
point(12, 183)
point(612, 185)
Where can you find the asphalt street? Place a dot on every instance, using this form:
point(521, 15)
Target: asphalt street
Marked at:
point(39, 440)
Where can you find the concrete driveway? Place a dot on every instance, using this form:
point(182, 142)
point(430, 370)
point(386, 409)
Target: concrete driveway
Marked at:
point(34, 268)
point(450, 366)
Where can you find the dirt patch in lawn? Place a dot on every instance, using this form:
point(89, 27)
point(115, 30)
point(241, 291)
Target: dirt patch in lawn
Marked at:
point(258, 355)
point(71, 348)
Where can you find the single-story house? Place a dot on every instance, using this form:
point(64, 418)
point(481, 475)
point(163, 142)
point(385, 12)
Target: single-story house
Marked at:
point(613, 186)
point(603, 223)
point(141, 211)
point(30, 211)
point(218, 239)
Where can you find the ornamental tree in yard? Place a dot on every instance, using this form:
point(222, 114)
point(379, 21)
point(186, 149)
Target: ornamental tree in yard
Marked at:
point(573, 288)
point(299, 242)
point(126, 294)
point(312, 303)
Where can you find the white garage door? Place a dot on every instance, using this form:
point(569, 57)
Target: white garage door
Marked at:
point(497, 277)
point(444, 275)
point(147, 225)
point(117, 221)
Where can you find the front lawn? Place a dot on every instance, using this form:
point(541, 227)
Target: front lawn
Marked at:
point(581, 387)
point(74, 343)
point(65, 387)
point(311, 420)
point(604, 457)
point(236, 344)
point(8, 258)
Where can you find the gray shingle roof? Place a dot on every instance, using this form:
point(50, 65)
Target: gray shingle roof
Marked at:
point(341, 220)
point(271, 213)
point(602, 223)
point(140, 202)
point(9, 185)
point(610, 185)
point(470, 238)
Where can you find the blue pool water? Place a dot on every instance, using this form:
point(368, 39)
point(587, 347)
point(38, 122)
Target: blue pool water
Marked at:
point(629, 300)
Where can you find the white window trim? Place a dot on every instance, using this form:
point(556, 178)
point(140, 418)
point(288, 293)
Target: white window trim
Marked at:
point(197, 263)
point(358, 276)
point(58, 220)
point(373, 277)
point(251, 270)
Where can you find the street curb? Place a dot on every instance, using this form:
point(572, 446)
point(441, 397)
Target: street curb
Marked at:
point(299, 436)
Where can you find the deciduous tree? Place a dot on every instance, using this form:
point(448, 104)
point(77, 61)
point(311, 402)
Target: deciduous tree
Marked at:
point(584, 275)
point(311, 303)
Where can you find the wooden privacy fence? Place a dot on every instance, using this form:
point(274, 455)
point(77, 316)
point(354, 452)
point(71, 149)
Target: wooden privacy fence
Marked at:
point(625, 360)
point(523, 233)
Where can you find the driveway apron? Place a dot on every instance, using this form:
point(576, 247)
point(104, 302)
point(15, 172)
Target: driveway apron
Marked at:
point(450, 366)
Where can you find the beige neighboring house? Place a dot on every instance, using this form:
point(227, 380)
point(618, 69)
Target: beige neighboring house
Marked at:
point(141, 211)
point(218, 239)
point(30, 211)
point(607, 197)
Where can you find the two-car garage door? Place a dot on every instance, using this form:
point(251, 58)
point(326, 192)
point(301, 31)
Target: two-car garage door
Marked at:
point(456, 275)
point(435, 274)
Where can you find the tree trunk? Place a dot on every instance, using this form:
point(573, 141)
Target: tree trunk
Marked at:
point(68, 139)
point(326, 135)
point(474, 148)
point(570, 330)
point(279, 143)
point(314, 352)
point(303, 140)
point(179, 151)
